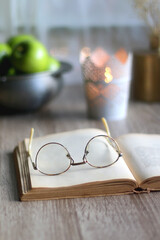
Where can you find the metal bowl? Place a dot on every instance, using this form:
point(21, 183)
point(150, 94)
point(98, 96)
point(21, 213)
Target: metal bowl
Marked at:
point(31, 91)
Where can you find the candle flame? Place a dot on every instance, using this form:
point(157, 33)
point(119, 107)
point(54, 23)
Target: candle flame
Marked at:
point(108, 75)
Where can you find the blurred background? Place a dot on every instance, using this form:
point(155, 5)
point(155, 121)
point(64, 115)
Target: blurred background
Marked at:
point(65, 26)
point(42, 16)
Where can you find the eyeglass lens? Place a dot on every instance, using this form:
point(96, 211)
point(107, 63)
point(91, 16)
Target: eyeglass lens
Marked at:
point(101, 151)
point(52, 159)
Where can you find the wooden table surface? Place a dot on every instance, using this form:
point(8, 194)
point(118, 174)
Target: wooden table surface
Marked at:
point(113, 217)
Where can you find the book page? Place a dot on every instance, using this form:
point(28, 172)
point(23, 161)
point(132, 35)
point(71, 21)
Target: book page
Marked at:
point(142, 154)
point(75, 142)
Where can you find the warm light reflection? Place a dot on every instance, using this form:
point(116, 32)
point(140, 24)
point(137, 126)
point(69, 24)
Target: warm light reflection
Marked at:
point(97, 92)
point(85, 52)
point(121, 55)
point(99, 57)
point(108, 75)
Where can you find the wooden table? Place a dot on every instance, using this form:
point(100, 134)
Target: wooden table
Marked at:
point(114, 217)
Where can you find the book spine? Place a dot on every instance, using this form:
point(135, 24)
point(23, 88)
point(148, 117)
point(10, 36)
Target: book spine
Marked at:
point(17, 173)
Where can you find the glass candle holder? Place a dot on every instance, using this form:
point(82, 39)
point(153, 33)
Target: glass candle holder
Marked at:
point(107, 82)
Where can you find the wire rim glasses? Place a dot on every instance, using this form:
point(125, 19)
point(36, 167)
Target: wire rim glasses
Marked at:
point(107, 154)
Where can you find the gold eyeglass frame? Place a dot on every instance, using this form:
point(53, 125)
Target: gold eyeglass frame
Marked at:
point(72, 162)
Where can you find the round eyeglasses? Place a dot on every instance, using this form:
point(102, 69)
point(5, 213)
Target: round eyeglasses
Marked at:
point(53, 158)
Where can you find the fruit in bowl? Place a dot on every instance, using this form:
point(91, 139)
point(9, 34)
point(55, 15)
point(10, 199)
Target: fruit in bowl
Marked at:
point(24, 54)
point(30, 57)
point(29, 76)
point(5, 50)
point(53, 64)
point(13, 41)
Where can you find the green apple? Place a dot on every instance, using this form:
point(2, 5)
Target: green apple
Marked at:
point(13, 41)
point(30, 57)
point(5, 50)
point(53, 64)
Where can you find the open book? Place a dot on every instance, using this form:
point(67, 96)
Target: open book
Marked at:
point(138, 170)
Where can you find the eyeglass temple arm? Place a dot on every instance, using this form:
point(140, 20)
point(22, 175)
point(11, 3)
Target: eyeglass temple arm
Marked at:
point(30, 147)
point(30, 141)
point(108, 133)
point(106, 126)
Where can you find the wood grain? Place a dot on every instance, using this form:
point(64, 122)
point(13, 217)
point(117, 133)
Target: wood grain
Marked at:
point(116, 217)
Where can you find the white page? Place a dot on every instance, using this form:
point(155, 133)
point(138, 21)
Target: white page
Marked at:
point(142, 154)
point(75, 142)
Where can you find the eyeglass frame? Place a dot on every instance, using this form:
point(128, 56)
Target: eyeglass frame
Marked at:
point(72, 162)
